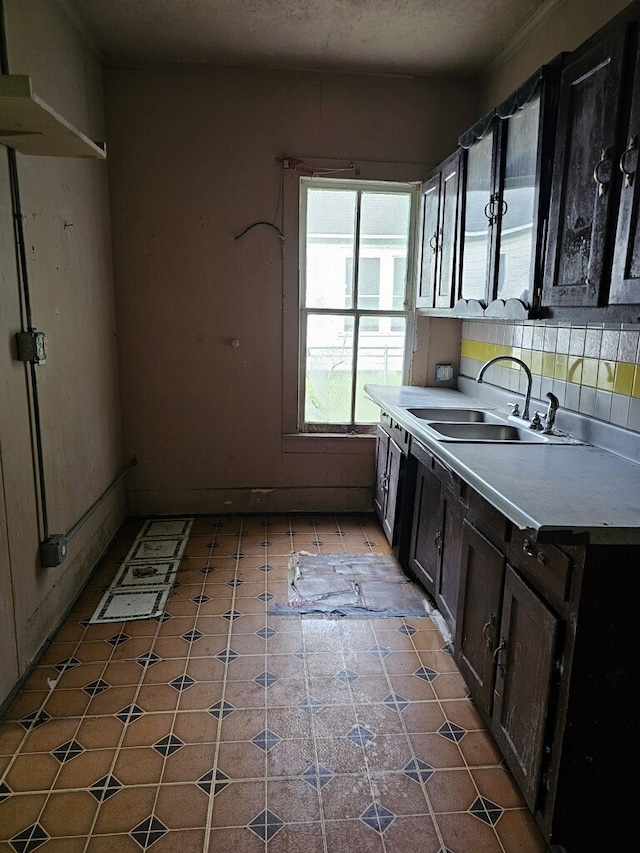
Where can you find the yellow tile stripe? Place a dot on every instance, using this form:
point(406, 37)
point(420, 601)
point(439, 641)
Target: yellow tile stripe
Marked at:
point(620, 377)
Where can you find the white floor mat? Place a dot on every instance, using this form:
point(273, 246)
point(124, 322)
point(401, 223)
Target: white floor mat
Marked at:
point(142, 586)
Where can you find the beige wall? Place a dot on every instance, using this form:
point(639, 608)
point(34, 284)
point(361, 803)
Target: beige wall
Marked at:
point(68, 247)
point(192, 156)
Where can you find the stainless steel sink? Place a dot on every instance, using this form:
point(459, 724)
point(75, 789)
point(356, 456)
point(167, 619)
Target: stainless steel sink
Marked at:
point(459, 415)
point(490, 432)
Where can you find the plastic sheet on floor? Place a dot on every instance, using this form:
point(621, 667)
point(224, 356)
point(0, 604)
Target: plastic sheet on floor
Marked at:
point(351, 585)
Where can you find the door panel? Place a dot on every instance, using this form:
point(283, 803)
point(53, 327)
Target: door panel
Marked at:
point(585, 186)
point(482, 575)
point(525, 669)
point(446, 289)
point(625, 275)
point(394, 472)
point(424, 555)
point(379, 492)
point(448, 581)
point(430, 255)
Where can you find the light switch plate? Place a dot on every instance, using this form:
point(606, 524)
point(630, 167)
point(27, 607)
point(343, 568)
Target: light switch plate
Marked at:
point(444, 372)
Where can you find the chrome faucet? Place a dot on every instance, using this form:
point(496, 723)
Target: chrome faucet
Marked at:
point(550, 417)
point(520, 363)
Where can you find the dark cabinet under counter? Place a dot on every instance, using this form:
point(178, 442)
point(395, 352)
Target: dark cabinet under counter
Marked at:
point(439, 509)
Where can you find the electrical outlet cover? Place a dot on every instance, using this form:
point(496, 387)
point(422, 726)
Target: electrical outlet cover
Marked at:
point(444, 372)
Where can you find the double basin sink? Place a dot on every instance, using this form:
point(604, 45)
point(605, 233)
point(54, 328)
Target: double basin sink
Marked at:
point(477, 425)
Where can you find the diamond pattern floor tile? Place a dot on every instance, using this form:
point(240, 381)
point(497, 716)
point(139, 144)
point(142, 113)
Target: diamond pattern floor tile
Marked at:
point(29, 839)
point(148, 832)
point(266, 825)
point(350, 746)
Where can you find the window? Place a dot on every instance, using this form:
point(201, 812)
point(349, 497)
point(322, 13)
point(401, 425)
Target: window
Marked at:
point(356, 242)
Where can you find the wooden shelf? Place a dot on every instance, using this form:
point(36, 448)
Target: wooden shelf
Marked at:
point(29, 126)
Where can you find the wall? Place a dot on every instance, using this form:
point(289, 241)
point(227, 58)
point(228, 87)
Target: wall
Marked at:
point(192, 154)
point(68, 253)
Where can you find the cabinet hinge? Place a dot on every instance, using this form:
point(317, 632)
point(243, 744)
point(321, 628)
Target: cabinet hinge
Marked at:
point(31, 346)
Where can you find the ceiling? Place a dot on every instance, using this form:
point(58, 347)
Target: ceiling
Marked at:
point(418, 37)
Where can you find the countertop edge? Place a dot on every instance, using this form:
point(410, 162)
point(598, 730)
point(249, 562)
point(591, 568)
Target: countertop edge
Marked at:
point(389, 397)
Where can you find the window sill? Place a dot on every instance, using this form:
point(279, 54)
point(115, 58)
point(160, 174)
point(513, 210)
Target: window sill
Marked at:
point(327, 443)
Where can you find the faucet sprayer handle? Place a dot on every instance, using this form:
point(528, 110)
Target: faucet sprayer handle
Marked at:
point(550, 417)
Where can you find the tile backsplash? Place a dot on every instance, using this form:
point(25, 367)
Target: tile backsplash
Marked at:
point(593, 369)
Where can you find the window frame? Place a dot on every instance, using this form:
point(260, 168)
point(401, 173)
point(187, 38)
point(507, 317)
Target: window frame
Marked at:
point(407, 313)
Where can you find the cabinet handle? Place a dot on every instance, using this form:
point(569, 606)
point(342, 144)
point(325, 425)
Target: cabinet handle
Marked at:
point(605, 156)
point(632, 147)
point(437, 541)
point(433, 243)
point(500, 647)
point(530, 552)
point(487, 626)
point(490, 206)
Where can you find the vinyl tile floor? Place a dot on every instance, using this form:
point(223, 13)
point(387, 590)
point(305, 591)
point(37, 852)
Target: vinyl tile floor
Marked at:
point(219, 728)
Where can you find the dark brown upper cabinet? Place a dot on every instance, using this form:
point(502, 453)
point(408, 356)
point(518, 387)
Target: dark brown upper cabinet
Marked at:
point(586, 185)
point(593, 260)
point(506, 175)
point(625, 272)
point(436, 287)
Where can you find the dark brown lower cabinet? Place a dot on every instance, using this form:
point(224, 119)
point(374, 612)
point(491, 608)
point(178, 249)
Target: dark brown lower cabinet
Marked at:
point(546, 641)
point(436, 534)
point(526, 667)
point(452, 512)
point(506, 646)
point(391, 443)
point(481, 583)
point(424, 553)
point(507, 650)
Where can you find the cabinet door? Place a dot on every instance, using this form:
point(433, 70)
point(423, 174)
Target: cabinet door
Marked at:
point(394, 472)
point(446, 289)
point(481, 580)
point(525, 658)
point(426, 536)
point(585, 182)
point(625, 275)
point(430, 241)
point(380, 491)
point(452, 512)
point(517, 205)
point(479, 209)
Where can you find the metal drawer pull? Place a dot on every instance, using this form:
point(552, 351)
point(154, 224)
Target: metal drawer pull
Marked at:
point(438, 541)
point(489, 624)
point(632, 148)
point(605, 156)
point(500, 647)
point(528, 550)
point(433, 243)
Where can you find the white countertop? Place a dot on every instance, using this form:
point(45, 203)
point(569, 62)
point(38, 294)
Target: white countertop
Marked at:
point(559, 492)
